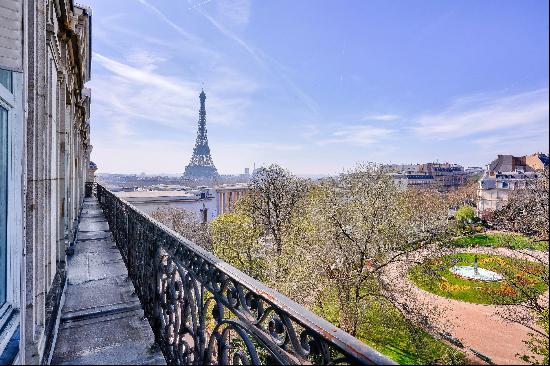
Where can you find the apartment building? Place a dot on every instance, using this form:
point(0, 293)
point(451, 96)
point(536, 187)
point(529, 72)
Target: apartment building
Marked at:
point(440, 176)
point(446, 176)
point(408, 180)
point(504, 175)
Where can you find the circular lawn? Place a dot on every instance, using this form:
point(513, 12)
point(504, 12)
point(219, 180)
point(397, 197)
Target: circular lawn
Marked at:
point(521, 279)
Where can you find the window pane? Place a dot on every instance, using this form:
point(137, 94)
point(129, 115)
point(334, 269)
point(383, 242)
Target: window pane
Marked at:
point(5, 79)
point(3, 200)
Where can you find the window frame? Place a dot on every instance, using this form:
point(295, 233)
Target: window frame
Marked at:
point(11, 100)
point(10, 88)
point(7, 101)
point(5, 180)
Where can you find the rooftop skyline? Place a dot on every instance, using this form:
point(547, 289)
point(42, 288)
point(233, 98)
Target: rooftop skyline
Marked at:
point(317, 86)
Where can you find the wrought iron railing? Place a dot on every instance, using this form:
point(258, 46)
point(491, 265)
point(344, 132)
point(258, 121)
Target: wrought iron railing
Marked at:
point(89, 189)
point(204, 311)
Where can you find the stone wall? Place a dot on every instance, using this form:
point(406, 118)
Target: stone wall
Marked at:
point(52, 46)
point(11, 44)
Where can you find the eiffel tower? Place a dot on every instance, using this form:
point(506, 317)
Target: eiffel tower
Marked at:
point(201, 165)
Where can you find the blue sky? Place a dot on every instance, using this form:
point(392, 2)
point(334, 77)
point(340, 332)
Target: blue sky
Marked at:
point(317, 85)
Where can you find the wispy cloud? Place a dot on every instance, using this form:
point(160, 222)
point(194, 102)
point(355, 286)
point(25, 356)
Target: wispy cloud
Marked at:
point(126, 94)
point(165, 19)
point(381, 117)
point(235, 13)
point(145, 76)
point(489, 114)
point(123, 91)
point(358, 135)
point(145, 59)
point(197, 4)
point(268, 146)
point(304, 97)
point(231, 35)
point(111, 32)
point(141, 154)
point(263, 60)
point(515, 141)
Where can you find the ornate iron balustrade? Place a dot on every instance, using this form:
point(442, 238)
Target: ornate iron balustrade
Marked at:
point(204, 311)
point(90, 189)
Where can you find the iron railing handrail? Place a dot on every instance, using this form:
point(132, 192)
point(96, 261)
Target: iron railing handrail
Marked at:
point(319, 342)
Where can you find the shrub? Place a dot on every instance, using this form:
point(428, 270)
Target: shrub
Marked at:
point(465, 215)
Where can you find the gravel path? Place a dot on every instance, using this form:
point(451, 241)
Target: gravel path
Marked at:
point(477, 326)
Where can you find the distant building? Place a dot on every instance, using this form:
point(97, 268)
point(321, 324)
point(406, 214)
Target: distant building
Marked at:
point(528, 163)
point(473, 170)
point(133, 182)
point(413, 180)
point(204, 202)
point(440, 176)
point(199, 201)
point(227, 196)
point(403, 168)
point(503, 175)
point(446, 175)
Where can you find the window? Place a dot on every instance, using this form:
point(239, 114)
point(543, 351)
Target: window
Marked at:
point(6, 79)
point(11, 205)
point(3, 202)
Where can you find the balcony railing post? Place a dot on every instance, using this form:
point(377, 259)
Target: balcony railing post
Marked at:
point(115, 219)
point(157, 276)
point(126, 233)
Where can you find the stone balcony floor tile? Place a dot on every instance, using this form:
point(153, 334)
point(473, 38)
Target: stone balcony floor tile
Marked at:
point(101, 320)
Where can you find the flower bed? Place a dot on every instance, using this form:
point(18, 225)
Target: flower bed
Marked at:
point(522, 279)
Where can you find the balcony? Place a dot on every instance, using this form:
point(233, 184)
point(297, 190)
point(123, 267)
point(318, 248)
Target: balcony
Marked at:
point(102, 319)
point(200, 309)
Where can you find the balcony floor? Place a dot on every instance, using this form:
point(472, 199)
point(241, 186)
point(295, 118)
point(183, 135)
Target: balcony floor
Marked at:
point(102, 320)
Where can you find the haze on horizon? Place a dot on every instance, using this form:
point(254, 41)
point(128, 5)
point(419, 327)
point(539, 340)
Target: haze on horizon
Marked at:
point(317, 86)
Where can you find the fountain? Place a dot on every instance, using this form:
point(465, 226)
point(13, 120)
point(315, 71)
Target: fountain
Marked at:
point(476, 273)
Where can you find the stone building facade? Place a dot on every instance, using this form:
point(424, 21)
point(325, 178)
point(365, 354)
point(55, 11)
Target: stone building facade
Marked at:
point(504, 175)
point(199, 202)
point(440, 176)
point(203, 202)
point(446, 176)
point(228, 195)
point(45, 59)
point(405, 181)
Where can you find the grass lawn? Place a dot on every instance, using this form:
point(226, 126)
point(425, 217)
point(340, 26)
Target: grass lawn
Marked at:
point(523, 279)
point(385, 329)
point(505, 240)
